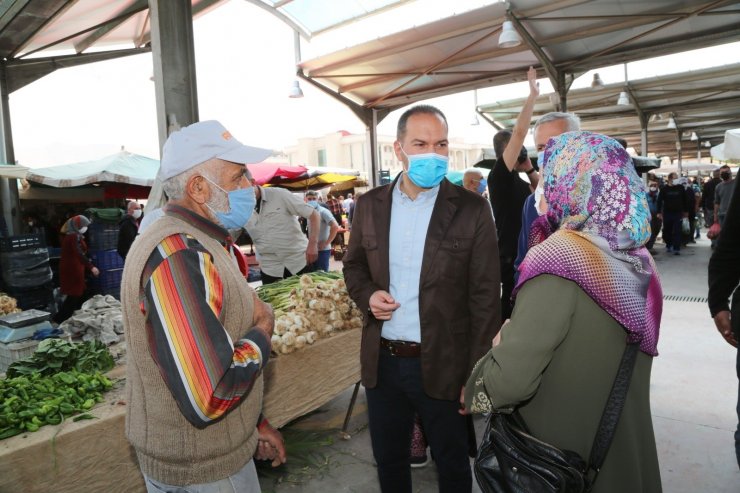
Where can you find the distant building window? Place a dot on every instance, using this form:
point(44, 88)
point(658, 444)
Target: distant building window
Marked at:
point(322, 157)
point(387, 149)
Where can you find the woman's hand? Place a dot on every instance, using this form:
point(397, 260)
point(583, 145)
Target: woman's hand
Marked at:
point(95, 271)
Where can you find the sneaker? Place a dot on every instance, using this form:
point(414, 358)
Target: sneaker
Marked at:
point(420, 461)
point(676, 252)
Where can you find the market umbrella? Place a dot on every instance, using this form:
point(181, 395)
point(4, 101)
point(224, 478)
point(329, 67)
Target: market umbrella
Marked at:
point(123, 167)
point(729, 150)
point(267, 172)
point(316, 182)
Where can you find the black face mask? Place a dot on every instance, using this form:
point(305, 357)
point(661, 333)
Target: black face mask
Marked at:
point(725, 175)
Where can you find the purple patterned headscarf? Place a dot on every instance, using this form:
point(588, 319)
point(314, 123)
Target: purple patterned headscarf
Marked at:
point(594, 231)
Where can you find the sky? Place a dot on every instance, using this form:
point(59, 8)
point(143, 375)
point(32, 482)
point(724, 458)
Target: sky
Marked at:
point(245, 65)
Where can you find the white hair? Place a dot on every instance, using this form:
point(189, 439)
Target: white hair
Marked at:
point(473, 171)
point(572, 121)
point(175, 187)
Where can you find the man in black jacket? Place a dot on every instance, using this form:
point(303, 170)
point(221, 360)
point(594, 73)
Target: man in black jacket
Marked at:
point(724, 279)
point(128, 228)
point(673, 206)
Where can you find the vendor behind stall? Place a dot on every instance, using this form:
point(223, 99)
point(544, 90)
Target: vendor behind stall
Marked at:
point(73, 265)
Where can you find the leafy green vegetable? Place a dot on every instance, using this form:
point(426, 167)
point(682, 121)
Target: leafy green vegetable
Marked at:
point(55, 355)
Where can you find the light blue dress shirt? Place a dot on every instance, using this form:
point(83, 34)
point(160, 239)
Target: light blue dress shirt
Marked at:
point(408, 234)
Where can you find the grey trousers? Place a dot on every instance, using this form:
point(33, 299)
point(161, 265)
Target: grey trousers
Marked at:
point(243, 481)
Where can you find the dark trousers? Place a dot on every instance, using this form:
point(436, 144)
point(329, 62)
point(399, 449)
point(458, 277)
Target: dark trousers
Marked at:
point(267, 279)
point(392, 404)
point(672, 229)
point(507, 286)
point(737, 432)
point(69, 305)
point(655, 225)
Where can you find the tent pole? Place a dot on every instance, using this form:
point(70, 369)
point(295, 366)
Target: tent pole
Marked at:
point(8, 187)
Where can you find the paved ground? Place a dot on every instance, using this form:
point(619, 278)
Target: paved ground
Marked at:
point(694, 392)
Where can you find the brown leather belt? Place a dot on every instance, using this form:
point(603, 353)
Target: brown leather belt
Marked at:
point(403, 349)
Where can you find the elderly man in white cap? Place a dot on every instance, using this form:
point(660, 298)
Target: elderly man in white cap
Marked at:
point(197, 335)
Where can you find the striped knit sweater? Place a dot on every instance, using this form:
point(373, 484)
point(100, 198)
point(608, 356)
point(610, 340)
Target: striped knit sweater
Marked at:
point(171, 447)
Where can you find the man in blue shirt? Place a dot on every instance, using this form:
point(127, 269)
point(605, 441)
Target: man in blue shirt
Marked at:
point(328, 228)
point(422, 264)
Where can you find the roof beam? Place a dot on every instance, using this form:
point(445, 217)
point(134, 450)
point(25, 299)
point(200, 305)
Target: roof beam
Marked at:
point(9, 10)
point(392, 49)
point(552, 73)
point(96, 35)
point(372, 104)
point(47, 19)
point(679, 18)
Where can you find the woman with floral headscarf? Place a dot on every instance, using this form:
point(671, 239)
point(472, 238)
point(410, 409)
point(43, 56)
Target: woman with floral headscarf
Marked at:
point(586, 288)
point(73, 264)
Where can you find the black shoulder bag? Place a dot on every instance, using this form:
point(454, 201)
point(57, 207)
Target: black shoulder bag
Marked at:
point(510, 460)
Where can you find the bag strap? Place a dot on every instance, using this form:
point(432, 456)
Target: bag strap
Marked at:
point(612, 411)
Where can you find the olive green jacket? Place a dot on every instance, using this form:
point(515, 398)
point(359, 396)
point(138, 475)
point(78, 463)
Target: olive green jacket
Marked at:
point(556, 362)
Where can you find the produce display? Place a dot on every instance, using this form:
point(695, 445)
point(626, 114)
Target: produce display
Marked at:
point(32, 401)
point(8, 305)
point(60, 379)
point(54, 355)
point(308, 308)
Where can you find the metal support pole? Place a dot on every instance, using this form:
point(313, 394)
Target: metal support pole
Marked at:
point(372, 130)
point(174, 65)
point(8, 187)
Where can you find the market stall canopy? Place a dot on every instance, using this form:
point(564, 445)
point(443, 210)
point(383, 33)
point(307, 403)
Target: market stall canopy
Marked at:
point(266, 172)
point(123, 167)
point(729, 150)
point(13, 171)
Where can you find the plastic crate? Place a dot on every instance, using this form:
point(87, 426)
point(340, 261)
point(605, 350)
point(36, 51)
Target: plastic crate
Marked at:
point(40, 297)
point(14, 351)
point(106, 259)
point(102, 236)
point(107, 282)
point(22, 242)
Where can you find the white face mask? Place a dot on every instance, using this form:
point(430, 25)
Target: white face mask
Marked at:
point(137, 214)
point(83, 230)
point(540, 204)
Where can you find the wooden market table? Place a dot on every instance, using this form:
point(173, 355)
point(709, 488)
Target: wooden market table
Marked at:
point(94, 455)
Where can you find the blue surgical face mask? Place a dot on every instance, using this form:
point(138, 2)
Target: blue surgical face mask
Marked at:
point(313, 203)
point(241, 206)
point(482, 185)
point(427, 170)
point(541, 159)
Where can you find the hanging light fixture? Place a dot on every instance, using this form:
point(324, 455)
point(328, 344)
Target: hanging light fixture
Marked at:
point(623, 100)
point(671, 123)
point(295, 90)
point(509, 37)
point(694, 137)
point(707, 143)
point(597, 82)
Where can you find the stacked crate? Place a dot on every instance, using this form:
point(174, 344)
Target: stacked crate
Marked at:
point(102, 242)
point(110, 265)
point(26, 273)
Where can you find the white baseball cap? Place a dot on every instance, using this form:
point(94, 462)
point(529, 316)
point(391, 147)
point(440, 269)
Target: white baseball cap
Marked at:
point(199, 142)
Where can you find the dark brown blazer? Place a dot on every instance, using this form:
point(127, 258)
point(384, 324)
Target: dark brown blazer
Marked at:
point(460, 290)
